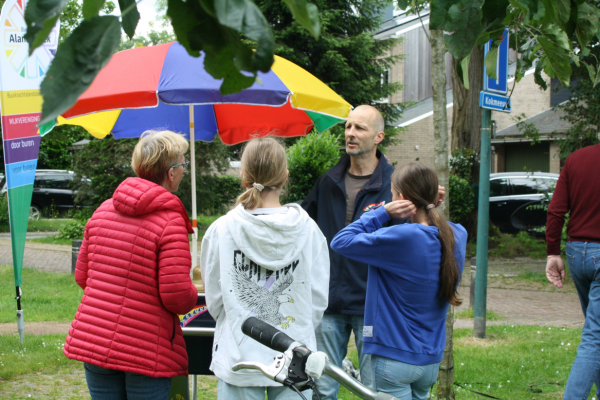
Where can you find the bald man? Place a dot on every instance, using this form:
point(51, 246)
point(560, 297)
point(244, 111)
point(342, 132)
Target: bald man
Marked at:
point(359, 182)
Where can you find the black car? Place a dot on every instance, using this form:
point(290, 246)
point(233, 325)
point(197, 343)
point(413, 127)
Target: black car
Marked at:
point(517, 200)
point(51, 188)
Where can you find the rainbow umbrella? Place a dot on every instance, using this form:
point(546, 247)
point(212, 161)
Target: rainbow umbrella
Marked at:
point(163, 87)
point(146, 87)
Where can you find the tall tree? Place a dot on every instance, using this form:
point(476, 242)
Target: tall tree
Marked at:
point(346, 57)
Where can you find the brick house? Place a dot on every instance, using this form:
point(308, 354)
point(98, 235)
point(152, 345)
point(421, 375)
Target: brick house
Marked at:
point(414, 72)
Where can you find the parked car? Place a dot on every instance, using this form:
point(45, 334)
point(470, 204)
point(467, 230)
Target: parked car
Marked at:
point(517, 198)
point(51, 187)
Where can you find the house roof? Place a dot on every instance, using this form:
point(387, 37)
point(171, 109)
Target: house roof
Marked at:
point(547, 122)
point(421, 110)
point(400, 23)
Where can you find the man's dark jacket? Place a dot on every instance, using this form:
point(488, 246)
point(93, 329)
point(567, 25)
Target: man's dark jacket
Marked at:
point(326, 204)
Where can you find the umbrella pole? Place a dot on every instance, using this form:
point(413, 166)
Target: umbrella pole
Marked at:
point(20, 318)
point(194, 211)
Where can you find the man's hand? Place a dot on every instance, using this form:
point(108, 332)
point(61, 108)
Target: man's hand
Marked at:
point(400, 209)
point(441, 195)
point(555, 270)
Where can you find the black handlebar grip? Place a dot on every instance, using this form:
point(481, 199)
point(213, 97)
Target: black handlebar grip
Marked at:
point(266, 334)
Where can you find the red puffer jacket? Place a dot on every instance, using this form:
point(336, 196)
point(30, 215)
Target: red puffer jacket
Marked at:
point(134, 267)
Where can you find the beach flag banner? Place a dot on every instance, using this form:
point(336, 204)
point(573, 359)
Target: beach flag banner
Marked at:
point(21, 106)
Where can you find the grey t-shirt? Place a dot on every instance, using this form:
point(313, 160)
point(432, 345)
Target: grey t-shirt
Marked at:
point(353, 185)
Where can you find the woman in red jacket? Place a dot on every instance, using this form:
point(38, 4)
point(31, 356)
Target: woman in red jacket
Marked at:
point(134, 267)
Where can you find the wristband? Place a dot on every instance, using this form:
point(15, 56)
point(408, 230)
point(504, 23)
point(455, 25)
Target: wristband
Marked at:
point(554, 255)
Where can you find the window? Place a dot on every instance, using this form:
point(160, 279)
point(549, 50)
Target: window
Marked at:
point(51, 182)
point(499, 187)
point(528, 185)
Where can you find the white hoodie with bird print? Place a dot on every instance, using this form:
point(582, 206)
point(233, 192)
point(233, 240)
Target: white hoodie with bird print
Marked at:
point(270, 263)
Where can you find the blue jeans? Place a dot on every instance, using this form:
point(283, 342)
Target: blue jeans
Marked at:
point(584, 266)
point(333, 335)
point(225, 391)
point(401, 380)
point(110, 384)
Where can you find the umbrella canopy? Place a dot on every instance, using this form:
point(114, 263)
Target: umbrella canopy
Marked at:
point(146, 87)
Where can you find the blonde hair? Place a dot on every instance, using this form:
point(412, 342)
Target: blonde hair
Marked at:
point(156, 152)
point(263, 163)
point(418, 183)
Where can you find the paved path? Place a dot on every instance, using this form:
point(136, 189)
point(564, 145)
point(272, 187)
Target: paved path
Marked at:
point(516, 303)
point(45, 257)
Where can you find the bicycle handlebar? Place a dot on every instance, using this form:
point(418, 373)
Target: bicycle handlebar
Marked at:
point(278, 371)
point(266, 334)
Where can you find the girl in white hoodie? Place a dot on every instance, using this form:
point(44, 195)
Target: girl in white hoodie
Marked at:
point(265, 260)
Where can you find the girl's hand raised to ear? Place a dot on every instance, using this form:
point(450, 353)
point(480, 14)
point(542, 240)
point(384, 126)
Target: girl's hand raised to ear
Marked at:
point(400, 209)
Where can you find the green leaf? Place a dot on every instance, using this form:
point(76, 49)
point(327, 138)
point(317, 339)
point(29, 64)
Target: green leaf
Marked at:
point(306, 14)
point(40, 17)
point(244, 17)
point(493, 14)
point(464, 23)
point(533, 10)
point(587, 23)
point(550, 11)
point(403, 4)
point(439, 14)
point(226, 55)
point(77, 62)
point(183, 20)
point(91, 8)
point(537, 75)
point(585, 52)
point(464, 71)
point(130, 16)
point(563, 12)
point(491, 60)
point(557, 35)
point(558, 62)
point(591, 72)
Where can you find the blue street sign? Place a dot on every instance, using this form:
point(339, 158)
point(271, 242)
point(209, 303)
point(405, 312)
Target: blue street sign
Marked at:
point(494, 102)
point(499, 85)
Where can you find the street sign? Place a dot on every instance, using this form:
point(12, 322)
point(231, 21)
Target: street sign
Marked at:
point(494, 102)
point(499, 85)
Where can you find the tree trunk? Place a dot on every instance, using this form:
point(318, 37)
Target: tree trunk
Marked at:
point(445, 388)
point(466, 114)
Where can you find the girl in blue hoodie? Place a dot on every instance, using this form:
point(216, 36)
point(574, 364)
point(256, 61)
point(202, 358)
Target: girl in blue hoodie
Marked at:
point(414, 271)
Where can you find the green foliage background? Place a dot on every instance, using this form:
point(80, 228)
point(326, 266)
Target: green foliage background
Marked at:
point(462, 199)
point(346, 57)
point(310, 157)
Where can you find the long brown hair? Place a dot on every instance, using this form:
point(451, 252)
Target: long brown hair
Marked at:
point(263, 163)
point(418, 183)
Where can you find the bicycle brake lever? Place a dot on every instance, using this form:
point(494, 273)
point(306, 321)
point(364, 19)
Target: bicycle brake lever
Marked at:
point(277, 371)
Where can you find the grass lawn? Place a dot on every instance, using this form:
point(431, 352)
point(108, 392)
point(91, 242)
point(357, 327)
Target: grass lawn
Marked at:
point(469, 313)
point(52, 240)
point(46, 296)
point(46, 225)
point(513, 362)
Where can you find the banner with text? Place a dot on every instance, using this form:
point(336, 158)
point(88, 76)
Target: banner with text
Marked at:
point(20, 107)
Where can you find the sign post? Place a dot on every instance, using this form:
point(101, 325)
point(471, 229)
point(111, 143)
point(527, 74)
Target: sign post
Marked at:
point(20, 107)
point(493, 97)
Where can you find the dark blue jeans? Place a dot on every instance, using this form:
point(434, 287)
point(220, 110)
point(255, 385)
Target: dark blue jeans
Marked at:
point(333, 335)
point(109, 384)
point(584, 266)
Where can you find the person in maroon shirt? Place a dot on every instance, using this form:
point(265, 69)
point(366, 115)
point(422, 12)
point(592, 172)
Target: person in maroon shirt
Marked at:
point(578, 193)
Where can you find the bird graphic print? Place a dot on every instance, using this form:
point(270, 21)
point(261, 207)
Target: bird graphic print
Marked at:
point(265, 300)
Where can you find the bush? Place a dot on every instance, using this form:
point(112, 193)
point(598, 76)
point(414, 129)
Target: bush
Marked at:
point(461, 199)
point(72, 230)
point(310, 157)
point(461, 163)
point(214, 194)
point(3, 213)
point(106, 163)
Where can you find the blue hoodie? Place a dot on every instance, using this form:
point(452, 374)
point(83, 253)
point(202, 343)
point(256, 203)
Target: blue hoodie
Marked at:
point(404, 315)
